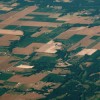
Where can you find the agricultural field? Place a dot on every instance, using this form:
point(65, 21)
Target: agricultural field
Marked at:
point(49, 49)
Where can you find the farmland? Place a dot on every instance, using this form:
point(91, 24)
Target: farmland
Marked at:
point(49, 49)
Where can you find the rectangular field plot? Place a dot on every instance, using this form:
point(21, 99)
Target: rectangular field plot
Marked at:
point(72, 40)
point(26, 29)
point(41, 18)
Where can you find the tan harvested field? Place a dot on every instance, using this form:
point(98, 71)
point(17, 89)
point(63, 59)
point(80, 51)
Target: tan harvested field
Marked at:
point(42, 31)
point(65, 35)
point(45, 47)
point(56, 70)
point(48, 48)
point(35, 23)
point(9, 37)
point(27, 50)
point(97, 46)
point(84, 43)
point(39, 85)
point(5, 63)
point(9, 97)
point(76, 19)
point(23, 51)
point(5, 39)
point(29, 96)
point(80, 30)
point(54, 16)
point(87, 51)
point(31, 79)
point(6, 8)
point(3, 58)
point(4, 43)
point(7, 15)
point(17, 16)
point(11, 32)
point(90, 31)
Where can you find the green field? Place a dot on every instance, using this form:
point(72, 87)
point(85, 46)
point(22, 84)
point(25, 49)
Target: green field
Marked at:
point(54, 78)
point(3, 91)
point(5, 76)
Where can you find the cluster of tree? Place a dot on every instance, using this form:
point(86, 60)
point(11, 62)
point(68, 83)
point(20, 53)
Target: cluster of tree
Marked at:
point(81, 84)
point(44, 63)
